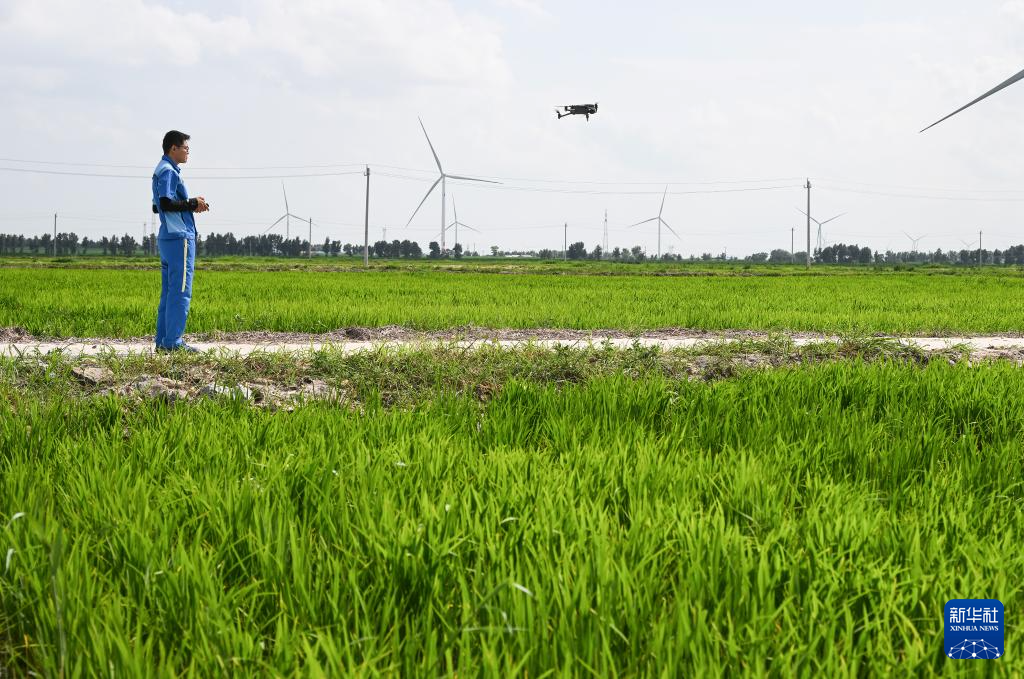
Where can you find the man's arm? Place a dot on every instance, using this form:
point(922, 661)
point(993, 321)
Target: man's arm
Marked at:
point(168, 205)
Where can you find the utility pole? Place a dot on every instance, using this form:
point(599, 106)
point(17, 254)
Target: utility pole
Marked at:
point(366, 223)
point(979, 247)
point(145, 242)
point(54, 234)
point(309, 252)
point(792, 242)
point(565, 244)
point(604, 245)
point(808, 187)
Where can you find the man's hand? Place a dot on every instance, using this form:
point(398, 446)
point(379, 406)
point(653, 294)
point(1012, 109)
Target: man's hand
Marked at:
point(203, 206)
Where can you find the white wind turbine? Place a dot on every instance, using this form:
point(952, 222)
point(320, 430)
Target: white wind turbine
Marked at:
point(914, 241)
point(286, 217)
point(660, 222)
point(442, 180)
point(821, 241)
point(457, 223)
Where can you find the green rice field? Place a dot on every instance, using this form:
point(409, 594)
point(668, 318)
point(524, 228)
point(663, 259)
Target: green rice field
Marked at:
point(119, 302)
point(803, 521)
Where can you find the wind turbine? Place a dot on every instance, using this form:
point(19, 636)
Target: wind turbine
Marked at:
point(457, 223)
point(820, 224)
point(660, 222)
point(914, 241)
point(1000, 86)
point(286, 217)
point(442, 180)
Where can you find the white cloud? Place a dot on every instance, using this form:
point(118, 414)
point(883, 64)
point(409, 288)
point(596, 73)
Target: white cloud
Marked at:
point(533, 8)
point(119, 32)
point(1014, 9)
point(424, 39)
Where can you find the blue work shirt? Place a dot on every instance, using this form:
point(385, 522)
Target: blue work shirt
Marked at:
point(167, 184)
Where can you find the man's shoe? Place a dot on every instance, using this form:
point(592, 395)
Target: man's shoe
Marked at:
point(184, 348)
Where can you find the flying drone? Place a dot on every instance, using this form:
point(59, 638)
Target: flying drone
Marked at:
point(577, 110)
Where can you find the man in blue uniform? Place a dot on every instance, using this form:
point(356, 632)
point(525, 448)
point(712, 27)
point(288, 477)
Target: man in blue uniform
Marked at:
point(176, 242)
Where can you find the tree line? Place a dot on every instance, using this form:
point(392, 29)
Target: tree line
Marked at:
point(274, 245)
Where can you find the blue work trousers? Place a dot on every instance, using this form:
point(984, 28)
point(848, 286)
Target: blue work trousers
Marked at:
point(177, 265)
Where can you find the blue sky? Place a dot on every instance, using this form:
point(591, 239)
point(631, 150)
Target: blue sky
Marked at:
point(696, 94)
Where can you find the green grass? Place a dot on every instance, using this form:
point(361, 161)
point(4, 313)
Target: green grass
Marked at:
point(491, 265)
point(806, 522)
point(120, 303)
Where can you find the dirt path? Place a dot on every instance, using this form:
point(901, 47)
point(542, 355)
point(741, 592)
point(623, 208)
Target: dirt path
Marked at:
point(351, 340)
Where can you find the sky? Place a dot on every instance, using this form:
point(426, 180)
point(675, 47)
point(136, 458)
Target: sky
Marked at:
point(731, 106)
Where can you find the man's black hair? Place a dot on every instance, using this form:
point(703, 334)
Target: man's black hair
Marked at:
point(174, 138)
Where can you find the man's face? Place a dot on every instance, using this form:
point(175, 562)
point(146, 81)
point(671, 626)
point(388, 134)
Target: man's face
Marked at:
point(179, 154)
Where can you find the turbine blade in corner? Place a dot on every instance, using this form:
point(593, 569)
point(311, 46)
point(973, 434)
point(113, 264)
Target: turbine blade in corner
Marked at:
point(1000, 86)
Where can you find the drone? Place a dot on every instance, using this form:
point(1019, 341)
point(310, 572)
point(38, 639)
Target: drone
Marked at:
point(577, 110)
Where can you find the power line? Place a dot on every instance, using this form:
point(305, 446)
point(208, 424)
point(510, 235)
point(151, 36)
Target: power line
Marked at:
point(199, 168)
point(592, 192)
point(135, 176)
point(609, 183)
point(918, 188)
point(889, 194)
point(542, 180)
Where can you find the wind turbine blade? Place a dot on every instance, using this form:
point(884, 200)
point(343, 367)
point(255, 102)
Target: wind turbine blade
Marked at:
point(829, 220)
point(279, 220)
point(471, 179)
point(467, 226)
point(652, 219)
point(436, 159)
point(670, 229)
point(663, 201)
point(1004, 84)
point(429, 191)
point(286, 210)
